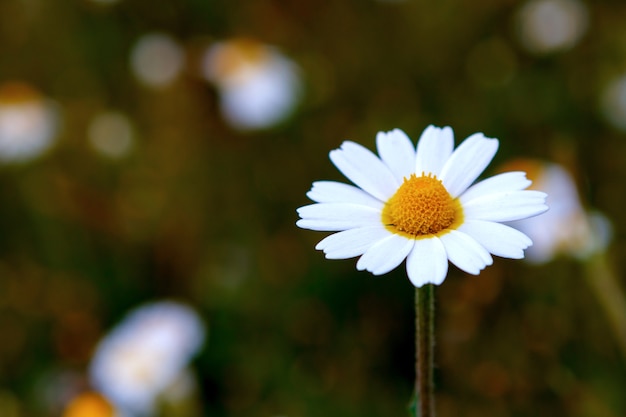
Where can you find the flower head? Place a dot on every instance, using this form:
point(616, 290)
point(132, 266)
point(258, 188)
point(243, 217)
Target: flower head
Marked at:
point(420, 205)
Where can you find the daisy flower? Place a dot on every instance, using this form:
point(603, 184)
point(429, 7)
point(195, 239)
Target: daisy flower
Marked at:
point(420, 205)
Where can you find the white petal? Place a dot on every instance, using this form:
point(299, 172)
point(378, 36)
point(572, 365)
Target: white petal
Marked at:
point(385, 255)
point(499, 239)
point(332, 217)
point(509, 181)
point(433, 150)
point(337, 192)
point(466, 253)
point(467, 162)
point(506, 206)
point(397, 152)
point(365, 170)
point(351, 243)
point(427, 262)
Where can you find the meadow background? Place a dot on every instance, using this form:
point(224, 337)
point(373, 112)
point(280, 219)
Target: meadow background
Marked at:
point(203, 212)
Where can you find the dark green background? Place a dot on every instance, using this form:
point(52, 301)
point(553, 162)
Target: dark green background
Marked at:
point(206, 214)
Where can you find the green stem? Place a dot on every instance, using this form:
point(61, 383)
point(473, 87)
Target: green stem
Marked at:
point(605, 284)
point(425, 350)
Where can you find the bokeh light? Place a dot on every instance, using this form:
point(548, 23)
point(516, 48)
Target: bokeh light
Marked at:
point(546, 26)
point(28, 122)
point(613, 103)
point(111, 134)
point(156, 59)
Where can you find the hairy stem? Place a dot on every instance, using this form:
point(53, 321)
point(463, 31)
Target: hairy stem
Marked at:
point(425, 348)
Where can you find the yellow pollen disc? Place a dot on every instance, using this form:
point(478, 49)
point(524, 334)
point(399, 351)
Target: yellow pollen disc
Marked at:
point(421, 206)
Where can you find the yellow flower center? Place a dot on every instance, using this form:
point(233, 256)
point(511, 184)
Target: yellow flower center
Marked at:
point(421, 206)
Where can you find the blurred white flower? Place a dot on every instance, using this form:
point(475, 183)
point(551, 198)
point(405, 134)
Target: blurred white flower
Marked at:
point(546, 26)
point(111, 134)
point(156, 59)
point(28, 122)
point(258, 86)
point(146, 353)
point(567, 228)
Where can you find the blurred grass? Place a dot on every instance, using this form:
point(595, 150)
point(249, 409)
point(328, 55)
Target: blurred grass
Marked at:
point(206, 214)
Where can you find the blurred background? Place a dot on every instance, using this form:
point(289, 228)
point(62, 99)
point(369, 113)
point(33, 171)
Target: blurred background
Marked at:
point(153, 153)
